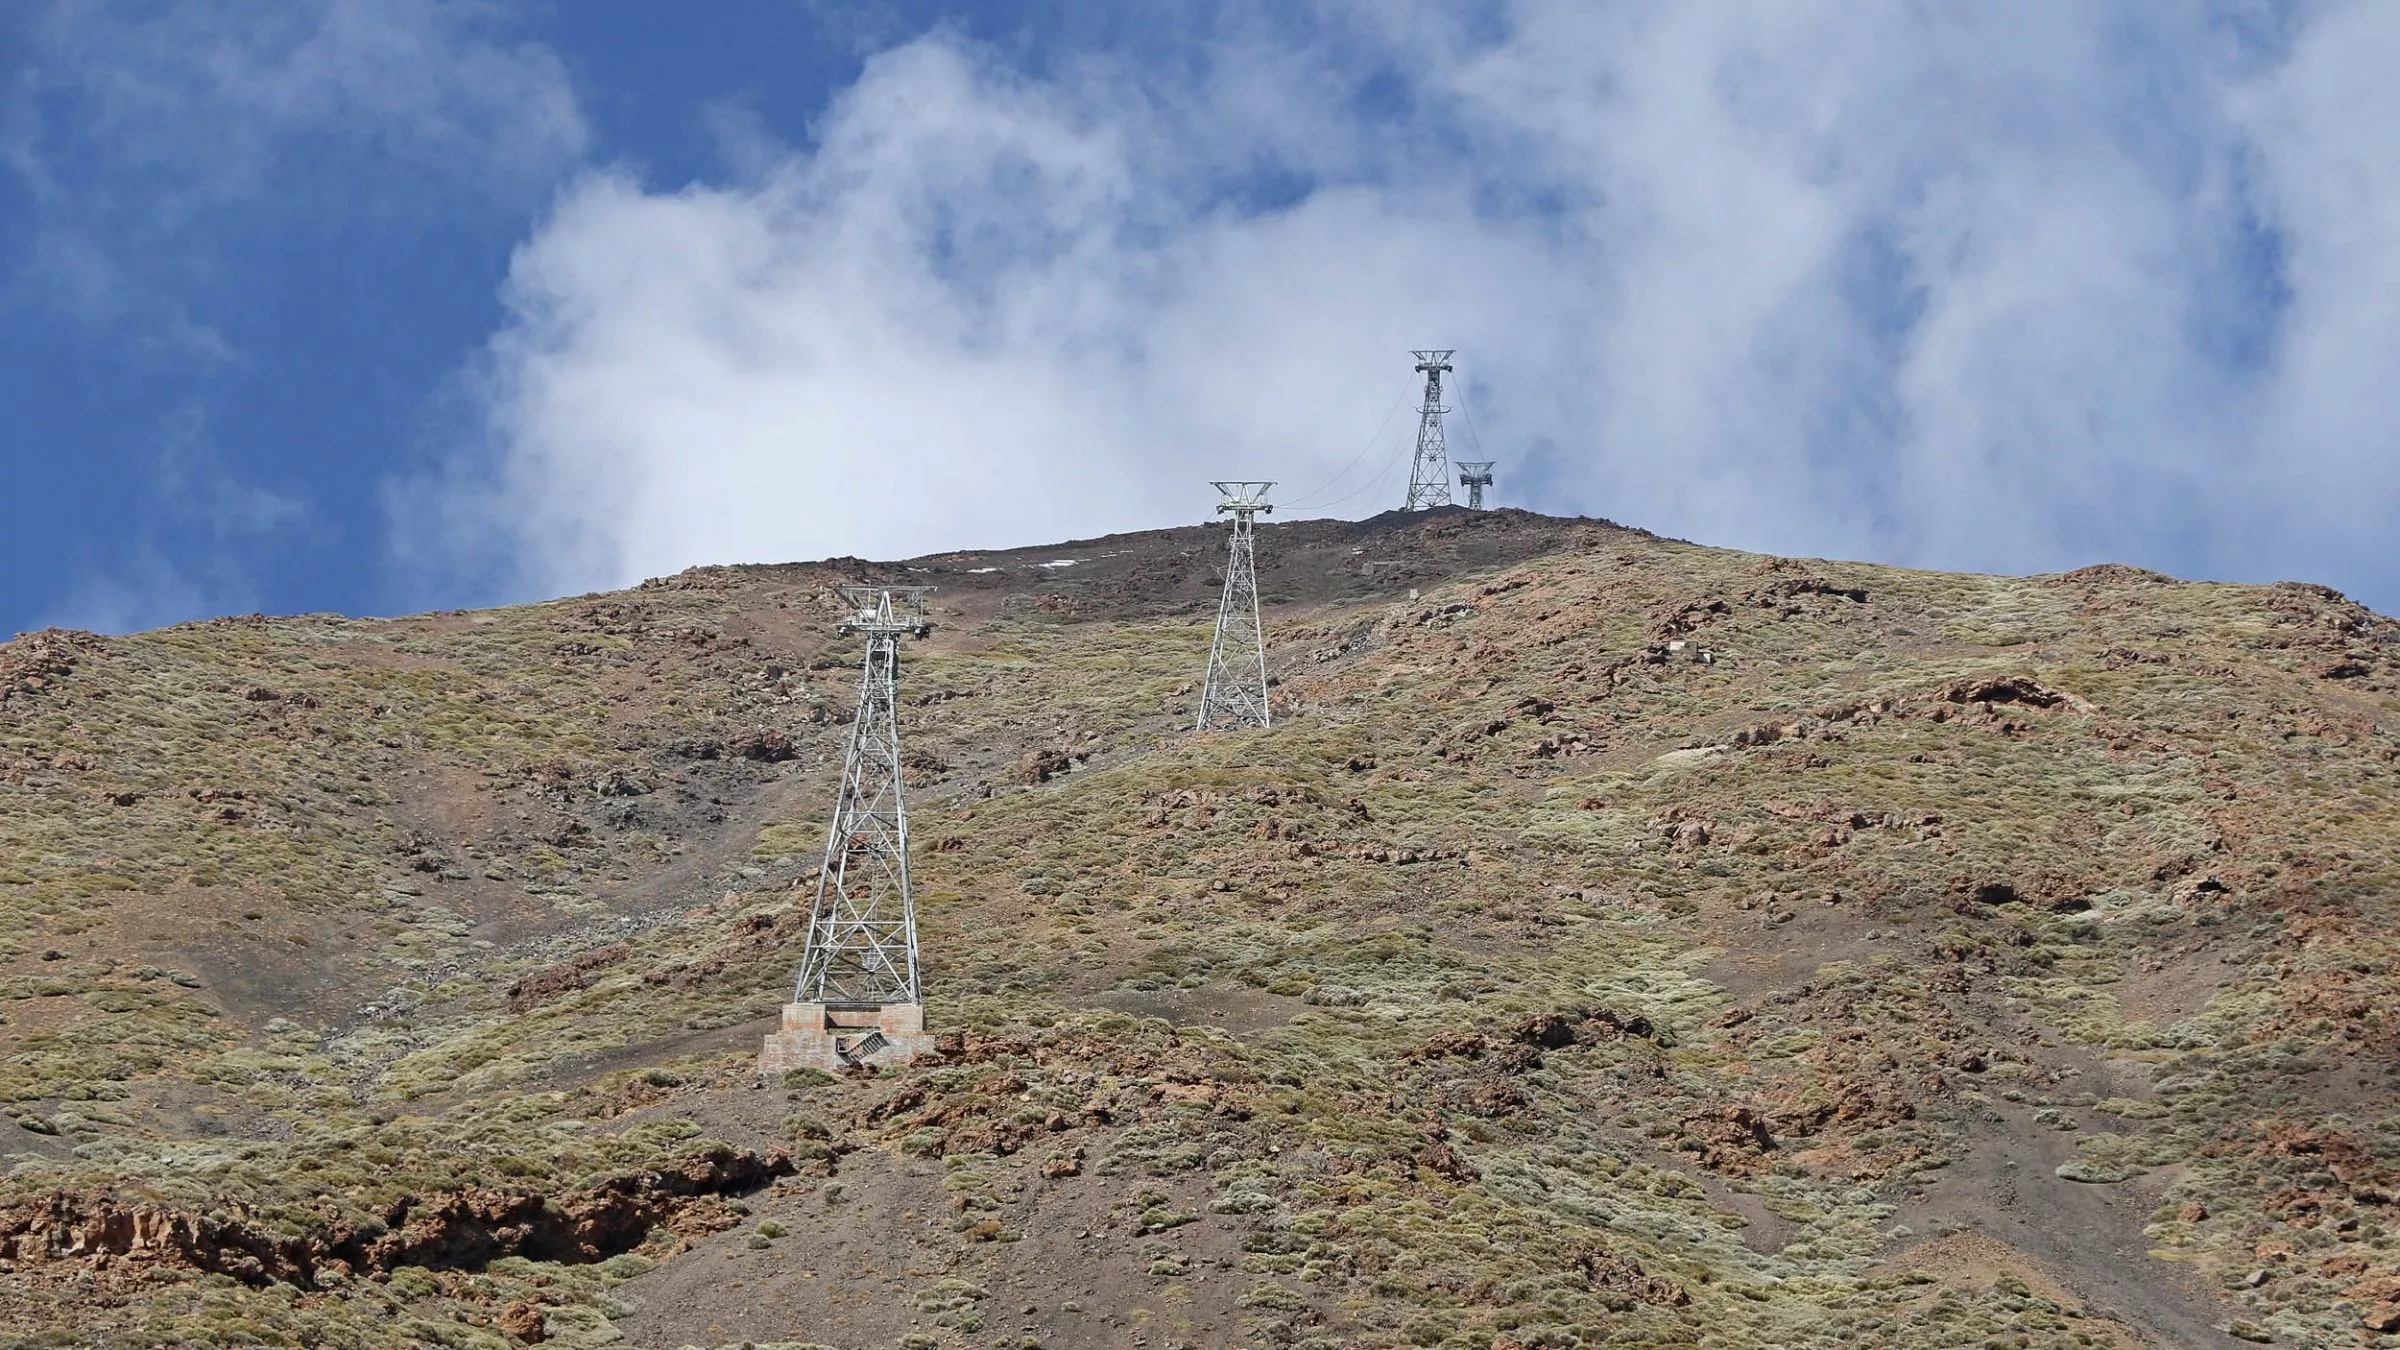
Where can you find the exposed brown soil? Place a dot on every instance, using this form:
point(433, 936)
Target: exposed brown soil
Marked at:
point(2020, 1217)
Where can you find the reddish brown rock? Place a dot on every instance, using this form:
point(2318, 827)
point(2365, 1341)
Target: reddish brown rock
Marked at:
point(1728, 1138)
point(1448, 1045)
point(1443, 1161)
point(460, 1229)
point(1622, 1274)
point(1040, 766)
point(1549, 1031)
point(523, 1321)
point(549, 983)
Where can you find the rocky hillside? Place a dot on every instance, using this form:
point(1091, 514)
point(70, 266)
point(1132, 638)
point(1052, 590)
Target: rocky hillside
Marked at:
point(1616, 942)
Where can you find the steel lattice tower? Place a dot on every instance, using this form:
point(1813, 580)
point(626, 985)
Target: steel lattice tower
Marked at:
point(1475, 475)
point(862, 932)
point(1236, 692)
point(1429, 479)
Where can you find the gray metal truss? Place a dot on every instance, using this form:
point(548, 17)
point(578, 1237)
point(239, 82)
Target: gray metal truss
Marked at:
point(862, 932)
point(1236, 692)
point(1429, 477)
point(1475, 475)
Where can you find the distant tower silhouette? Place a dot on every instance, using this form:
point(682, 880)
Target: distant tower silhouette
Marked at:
point(1236, 692)
point(1429, 478)
point(1475, 475)
point(859, 998)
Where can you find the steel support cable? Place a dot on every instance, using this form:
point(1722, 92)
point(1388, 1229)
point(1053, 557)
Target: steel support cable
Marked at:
point(1462, 411)
point(1304, 500)
point(1375, 484)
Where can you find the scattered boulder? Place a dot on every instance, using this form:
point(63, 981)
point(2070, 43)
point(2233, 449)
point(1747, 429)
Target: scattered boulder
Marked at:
point(523, 1321)
point(542, 986)
point(1608, 1270)
point(1443, 1161)
point(1448, 1044)
point(1609, 1023)
point(2018, 689)
point(1040, 766)
point(766, 747)
point(1549, 1031)
point(38, 663)
point(1728, 1139)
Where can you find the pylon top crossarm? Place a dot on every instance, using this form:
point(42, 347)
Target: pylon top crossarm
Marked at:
point(1245, 498)
point(886, 611)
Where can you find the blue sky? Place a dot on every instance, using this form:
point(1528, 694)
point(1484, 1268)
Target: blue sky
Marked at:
point(379, 306)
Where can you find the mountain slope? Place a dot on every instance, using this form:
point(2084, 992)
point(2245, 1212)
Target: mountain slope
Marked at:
point(1942, 960)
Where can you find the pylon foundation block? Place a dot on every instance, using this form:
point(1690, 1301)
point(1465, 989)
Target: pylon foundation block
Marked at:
point(832, 1038)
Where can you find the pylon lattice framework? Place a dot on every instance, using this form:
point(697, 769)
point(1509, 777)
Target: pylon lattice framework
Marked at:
point(862, 931)
point(1429, 478)
point(1235, 694)
point(1475, 475)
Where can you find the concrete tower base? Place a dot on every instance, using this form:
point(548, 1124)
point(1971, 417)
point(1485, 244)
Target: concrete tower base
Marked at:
point(816, 1036)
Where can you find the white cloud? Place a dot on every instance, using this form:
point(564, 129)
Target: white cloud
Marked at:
point(193, 483)
point(2327, 447)
point(981, 310)
point(208, 103)
point(135, 130)
point(1967, 288)
point(171, 157)
point(139, 590)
